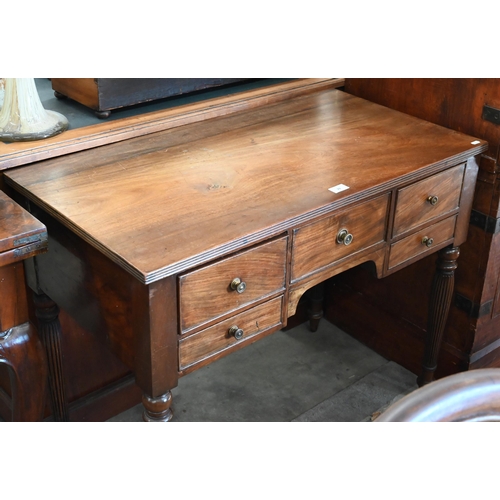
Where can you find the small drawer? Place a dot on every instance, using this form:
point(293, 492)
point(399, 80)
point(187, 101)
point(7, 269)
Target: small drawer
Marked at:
point(428, 199)
point(222, 336)
point(213, 290)
point(422, 241)
point(320, 244)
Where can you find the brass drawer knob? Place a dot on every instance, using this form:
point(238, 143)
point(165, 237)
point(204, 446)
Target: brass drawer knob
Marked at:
point(236, 332)
point(427, 241)
point(238, 285)
point(343, 236)
point(433, 200)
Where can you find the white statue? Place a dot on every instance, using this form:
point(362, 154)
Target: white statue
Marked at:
point(23, 117)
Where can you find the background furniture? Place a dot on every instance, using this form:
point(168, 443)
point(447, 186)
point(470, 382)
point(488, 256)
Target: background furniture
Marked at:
point(21, 237)
point(105, 94)
point(384, 313)
point(185, 245)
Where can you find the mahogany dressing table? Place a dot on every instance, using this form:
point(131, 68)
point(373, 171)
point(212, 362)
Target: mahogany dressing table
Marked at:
point(182, 245)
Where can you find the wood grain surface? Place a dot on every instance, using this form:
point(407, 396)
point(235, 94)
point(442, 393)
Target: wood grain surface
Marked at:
point(145, 202)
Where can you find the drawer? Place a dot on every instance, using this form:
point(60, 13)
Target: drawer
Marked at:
point(219, 338)
point(416, 244)
point(206, 293)
point(316, 245)
point(428, 199)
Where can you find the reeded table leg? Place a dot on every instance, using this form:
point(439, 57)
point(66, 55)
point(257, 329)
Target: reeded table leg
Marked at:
point(440, 300)
point(21, 350)
point(157, 409)
point(49, 329)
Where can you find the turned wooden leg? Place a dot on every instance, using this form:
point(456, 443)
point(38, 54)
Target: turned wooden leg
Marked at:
point(21, 350)
point(49, 329)
point(157, 409)
point(439, 306)
point(315, 310)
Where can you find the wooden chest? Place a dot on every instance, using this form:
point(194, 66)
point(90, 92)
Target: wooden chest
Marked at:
point(105, 94)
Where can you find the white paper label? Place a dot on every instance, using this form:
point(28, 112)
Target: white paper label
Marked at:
point(338, 188)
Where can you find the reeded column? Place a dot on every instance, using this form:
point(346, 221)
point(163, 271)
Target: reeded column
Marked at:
point(49, 329)
point(439, 306)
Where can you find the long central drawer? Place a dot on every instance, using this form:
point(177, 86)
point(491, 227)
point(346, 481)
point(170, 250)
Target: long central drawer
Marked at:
point(227, 285)
point(320, 243)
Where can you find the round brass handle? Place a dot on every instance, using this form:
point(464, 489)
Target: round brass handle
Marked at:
point(238, 285)
point(427, 241)
point(345, 237)
point(433, 200)
point(236, 332)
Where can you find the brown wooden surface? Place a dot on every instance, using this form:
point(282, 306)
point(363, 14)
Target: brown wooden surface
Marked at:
point(126, 219)
point(17, 153)
point(315, 245)
point(206, 294)
point(403, 250)
point(16, 226)
point(413, 207)
point(160, 190)
point(217, 339)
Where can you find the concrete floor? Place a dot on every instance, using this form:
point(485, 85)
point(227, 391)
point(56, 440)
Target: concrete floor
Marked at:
point(295, 375)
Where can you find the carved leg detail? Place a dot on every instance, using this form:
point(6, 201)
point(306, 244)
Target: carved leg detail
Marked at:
point(157, 409)
point(21, 350)
point(315, 311)
point(439, 306)
point(49, 329)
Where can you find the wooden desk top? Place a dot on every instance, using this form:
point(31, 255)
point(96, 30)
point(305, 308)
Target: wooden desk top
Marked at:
point(159, 204)
point(21, 235)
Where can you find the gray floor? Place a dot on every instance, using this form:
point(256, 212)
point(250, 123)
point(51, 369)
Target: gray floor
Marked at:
point(297, 375)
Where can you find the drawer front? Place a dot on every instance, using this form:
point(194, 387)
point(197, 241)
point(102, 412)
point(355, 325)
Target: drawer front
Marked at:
point(218, 338)
point(206, 293)
point(428, 199)
point(419, 243)
point(315, 245)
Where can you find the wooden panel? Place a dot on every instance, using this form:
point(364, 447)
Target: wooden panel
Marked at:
point(13, 308)
point(414, 245)
point(213, 340)
point(82, 90)
point(206, 293)
point(315, 246)
point(413, 207)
